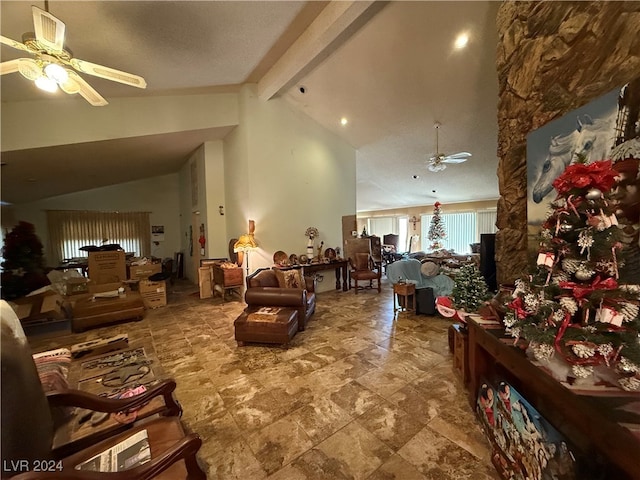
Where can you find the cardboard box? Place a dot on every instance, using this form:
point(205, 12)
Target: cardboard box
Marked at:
point(154, 294)
point(107, 267)
point(142, 272)
point(75, 286)
point(204, 281)
point(46, 305)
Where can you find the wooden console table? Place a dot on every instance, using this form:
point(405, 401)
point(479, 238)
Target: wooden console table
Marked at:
point(337, 265)
point(590, 422)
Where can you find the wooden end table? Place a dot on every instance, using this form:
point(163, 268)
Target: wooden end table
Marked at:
point(405, 290)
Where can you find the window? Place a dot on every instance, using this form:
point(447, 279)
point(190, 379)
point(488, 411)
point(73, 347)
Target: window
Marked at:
point(459, 227)
point(486, 222)
point(69, 230)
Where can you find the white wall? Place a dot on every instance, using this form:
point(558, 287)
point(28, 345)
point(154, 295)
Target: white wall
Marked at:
point(292, 174)
point(157, 195)
point(73, 120)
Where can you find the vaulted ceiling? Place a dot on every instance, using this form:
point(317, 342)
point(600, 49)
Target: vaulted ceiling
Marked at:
point(392, 73)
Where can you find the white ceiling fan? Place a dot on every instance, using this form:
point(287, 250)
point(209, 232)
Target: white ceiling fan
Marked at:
point(53, 64)
point(438, 162)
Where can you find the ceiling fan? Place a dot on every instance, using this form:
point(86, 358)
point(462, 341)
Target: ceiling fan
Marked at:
point(438, 162)
point(53, 64)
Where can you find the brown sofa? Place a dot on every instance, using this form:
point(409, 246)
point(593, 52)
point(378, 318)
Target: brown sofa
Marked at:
point(263, 290)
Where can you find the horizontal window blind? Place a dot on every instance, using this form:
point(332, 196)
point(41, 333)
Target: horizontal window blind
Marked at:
point(69, 230)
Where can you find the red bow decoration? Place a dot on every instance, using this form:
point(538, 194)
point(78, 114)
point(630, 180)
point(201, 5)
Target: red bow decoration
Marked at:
point(598, 175)
point(580, 291)
point(516, 305)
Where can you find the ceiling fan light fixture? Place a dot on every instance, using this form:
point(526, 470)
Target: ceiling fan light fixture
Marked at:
point(47, 84)
point(56, 72)
point(436, 167)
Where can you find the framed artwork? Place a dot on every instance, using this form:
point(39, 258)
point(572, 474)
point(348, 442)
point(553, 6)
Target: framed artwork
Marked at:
point(523, 444)
point(598, 131)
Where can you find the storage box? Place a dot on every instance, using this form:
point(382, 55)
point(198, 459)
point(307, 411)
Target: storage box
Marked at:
point(46, 305)
point(204, 282)
point(227, 277)
point(154, 294)
point(141, 272)
point(75, 286)
point(107, 267)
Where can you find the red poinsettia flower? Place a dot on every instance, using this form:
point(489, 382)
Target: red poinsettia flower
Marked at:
point(598, 175)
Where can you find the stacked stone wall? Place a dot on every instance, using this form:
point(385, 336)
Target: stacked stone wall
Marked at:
point(552, 57)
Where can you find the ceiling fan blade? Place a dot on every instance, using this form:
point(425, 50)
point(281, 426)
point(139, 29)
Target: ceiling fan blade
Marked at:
point(459, 155)
point(49, 30)
point(13, 43)
point(10, 66)
point(85, 90)
point(108, 73)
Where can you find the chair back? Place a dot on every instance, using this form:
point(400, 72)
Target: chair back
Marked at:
point(360, 261)
point(27, 425)
point(391, 239)
point(263, 277)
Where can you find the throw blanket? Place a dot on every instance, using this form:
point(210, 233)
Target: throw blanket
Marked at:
point(409, 270)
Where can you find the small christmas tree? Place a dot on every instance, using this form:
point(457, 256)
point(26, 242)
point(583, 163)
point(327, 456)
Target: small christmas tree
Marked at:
point(470, 290)
point(23, 265)
point(573, 305)
point(436, 228)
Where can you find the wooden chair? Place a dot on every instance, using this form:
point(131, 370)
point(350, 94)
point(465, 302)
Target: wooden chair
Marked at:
point(363, 268)
point(28, 424)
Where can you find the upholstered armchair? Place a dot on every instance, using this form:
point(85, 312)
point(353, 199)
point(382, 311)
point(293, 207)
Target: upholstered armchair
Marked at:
point(282, 288)
point(28, 424)
point(363, 268)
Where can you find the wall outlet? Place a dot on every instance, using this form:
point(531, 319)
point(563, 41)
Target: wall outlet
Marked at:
point(354, 234)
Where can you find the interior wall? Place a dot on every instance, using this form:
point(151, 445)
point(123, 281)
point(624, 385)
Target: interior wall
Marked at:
point(70, 120)
point(292, 174)
point(157, 195)
point(552, 57)
point(428, 209)
point(216, 228)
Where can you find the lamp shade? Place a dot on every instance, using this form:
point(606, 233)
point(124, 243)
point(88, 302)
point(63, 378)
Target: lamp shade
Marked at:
point(244, 243)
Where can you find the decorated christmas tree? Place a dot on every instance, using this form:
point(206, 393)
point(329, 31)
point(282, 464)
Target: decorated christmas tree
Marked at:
point(436, 228)
point(23, 265)
point(574, 305)
point(470, 290)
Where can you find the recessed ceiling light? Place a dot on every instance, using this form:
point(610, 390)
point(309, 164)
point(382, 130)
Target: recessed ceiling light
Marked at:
point(415, 177)
point(344, 121)
point(461, 41)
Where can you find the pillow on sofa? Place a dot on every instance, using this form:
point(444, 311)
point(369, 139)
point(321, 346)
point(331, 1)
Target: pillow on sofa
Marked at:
point(290, 279)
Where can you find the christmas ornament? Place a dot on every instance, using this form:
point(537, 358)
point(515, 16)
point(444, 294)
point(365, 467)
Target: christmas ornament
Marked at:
point(609, 315)
point(541, 351)
point(546, 259)
point(630, 384)
point(585, 240)
point(629, 311)
point(593, 194)
point(581, 371)
point(583, 350)
point(569, 304)
point(626, 367)
point(566, 227)
point(570, 265)
point(584, 273)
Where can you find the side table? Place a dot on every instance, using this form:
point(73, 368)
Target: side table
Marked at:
point(405, 290)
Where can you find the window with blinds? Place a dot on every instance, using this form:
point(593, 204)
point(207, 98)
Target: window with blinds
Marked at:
point(69, 230)
point(460, 229)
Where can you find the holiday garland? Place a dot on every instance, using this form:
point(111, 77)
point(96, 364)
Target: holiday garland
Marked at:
point(573, 304)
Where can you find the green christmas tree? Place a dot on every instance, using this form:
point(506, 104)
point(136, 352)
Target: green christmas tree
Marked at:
point(573, 304)
point(436, 228)
point(23, 265)
point(470, 289)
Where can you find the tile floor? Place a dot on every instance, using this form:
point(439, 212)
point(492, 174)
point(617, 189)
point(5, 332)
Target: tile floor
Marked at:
point(360, 394)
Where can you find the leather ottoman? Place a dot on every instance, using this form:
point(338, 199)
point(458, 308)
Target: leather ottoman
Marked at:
point(87, 313)
point(266, 325)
